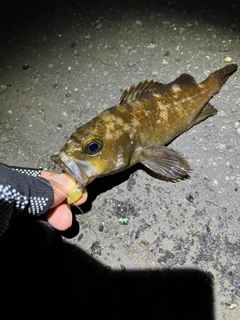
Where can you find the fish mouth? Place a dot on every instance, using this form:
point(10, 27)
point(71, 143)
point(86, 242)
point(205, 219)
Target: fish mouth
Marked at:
point(69, 166)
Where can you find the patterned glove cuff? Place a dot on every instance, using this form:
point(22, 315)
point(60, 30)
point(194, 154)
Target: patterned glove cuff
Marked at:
point(33, 172)
point(22, 191)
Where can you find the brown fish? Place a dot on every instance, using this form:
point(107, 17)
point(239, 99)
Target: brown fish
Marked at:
point(148, 116)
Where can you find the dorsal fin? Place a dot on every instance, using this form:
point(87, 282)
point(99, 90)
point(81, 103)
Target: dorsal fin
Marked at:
point(184, 79)
point(144, 89)
point(140, 91)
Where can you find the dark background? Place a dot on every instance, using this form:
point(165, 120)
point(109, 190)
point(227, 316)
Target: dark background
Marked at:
point(43, 277)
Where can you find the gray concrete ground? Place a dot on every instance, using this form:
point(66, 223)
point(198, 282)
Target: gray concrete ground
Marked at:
point(63, 62)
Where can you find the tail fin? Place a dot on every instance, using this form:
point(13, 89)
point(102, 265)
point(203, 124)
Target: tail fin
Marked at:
point(223, 74)
point(216, 80)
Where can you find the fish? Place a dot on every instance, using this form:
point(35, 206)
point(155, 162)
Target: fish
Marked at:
point(139, 128)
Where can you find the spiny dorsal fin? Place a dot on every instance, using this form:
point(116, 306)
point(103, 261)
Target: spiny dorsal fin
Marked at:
point(140, 91)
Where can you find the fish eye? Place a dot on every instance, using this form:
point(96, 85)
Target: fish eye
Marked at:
point(93, 147)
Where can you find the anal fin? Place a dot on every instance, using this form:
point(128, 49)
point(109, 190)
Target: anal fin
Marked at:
point(207, 111)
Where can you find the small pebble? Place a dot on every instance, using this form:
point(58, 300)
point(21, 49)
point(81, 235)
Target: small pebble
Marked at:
point(80, 236)
point(25, 66)
point(145, 242)
point(233, 306)
point(131, 64)
point(96, 248)
point(122, 266)
point(190, 198)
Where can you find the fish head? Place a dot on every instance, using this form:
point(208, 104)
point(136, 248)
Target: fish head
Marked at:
point(101, 147)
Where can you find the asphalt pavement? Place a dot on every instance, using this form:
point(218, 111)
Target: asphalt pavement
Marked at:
point(140, 247)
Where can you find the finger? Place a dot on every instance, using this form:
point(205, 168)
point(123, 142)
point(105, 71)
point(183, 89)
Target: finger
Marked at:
point(47, 174)
point(61, 193)
point(60, 217)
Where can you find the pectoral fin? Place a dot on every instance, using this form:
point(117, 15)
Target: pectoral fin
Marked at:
point(165, 162)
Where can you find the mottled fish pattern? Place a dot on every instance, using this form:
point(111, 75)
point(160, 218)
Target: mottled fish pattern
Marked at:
point(148, 116)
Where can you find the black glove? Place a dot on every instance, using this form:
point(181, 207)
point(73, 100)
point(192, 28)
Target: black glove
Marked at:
point(22, 191)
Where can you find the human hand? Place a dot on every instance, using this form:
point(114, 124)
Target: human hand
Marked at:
point(59, 215)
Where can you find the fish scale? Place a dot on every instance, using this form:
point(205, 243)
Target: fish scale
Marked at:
point(148, 116)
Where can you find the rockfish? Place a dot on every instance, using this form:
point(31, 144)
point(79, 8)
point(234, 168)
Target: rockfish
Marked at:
point(148, 116)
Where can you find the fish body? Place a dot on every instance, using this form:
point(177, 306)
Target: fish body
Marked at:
point(148, 116)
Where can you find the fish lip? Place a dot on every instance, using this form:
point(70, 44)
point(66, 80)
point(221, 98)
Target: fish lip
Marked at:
point(69, 166)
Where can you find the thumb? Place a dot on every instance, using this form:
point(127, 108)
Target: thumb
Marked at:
point(62, 185)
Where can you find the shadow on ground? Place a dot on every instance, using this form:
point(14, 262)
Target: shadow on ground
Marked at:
point(50, 279)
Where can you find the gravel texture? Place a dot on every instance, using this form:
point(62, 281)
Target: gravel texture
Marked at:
point(158, 247)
